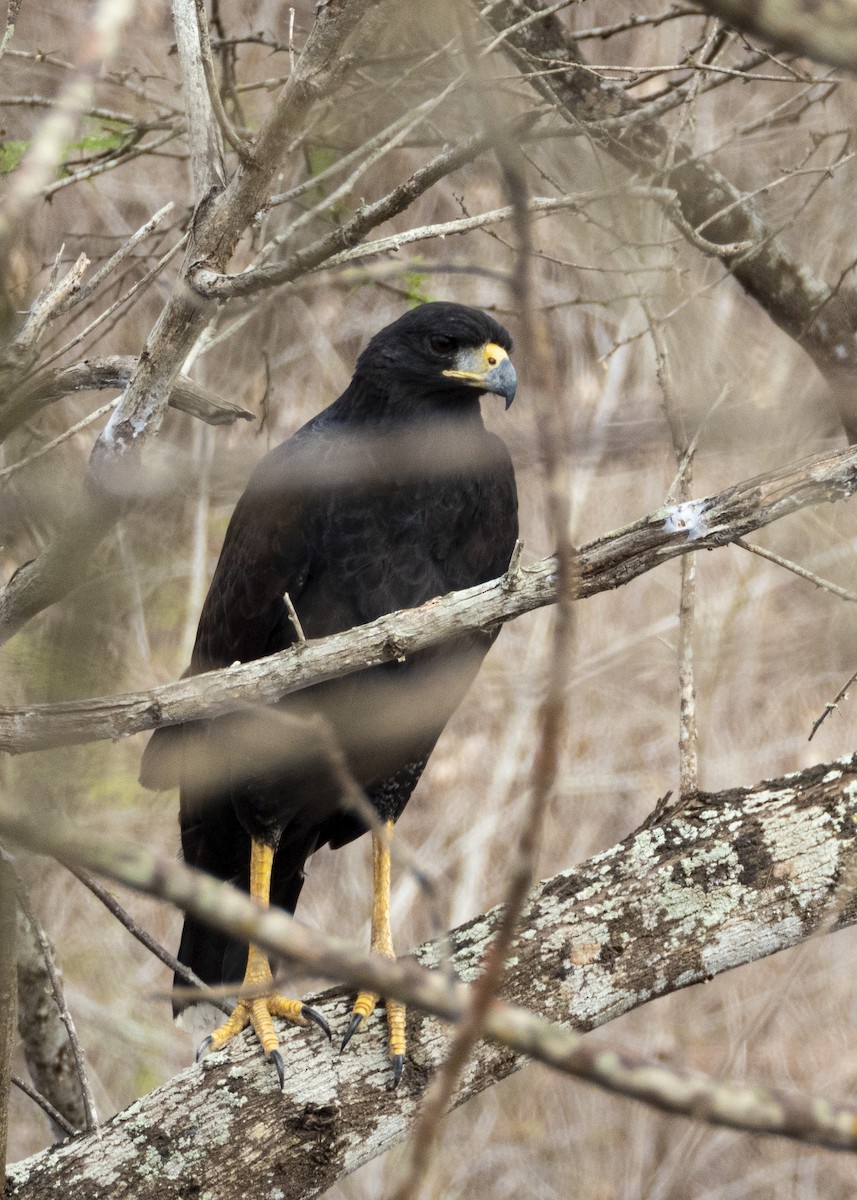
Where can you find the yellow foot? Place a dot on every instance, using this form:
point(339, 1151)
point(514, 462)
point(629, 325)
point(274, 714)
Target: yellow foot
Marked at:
point(259, 1012)
point(364, 1006)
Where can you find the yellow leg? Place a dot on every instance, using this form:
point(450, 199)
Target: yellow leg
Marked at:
point(381, 943)
point(262, 1004)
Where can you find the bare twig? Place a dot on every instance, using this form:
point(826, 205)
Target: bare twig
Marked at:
point(85, 290)
point(45, 1105)
point(831, 705)
point(688, 738)
point(802, 572)
point(145, 939)
point(242, 147)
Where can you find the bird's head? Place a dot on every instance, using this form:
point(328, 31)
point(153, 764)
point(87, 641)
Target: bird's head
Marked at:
point(443, 354)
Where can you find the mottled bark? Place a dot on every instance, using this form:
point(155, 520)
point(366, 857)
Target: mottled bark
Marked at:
point(729, 879)
point(44, 1039)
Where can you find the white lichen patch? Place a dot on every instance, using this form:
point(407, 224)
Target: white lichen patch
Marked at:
point(807, 845)
point(745, 941)
point(688, 518)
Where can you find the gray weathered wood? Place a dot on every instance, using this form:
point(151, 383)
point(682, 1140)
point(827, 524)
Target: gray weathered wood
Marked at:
point(731, 878)
point(606, 563)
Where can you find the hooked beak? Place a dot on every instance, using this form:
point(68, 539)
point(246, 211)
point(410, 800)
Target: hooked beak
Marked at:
point(488, 368)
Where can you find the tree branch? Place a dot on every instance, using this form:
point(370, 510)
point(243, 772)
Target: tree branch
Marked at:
point(44, 1038)
point(219, 221)
point(609, 562)
point(114, 371)
point(827, 34)
point(717, 886)
point(820, 320)
point(341, 244)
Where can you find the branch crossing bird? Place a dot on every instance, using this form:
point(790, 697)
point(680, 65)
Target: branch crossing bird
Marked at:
point(393, 495)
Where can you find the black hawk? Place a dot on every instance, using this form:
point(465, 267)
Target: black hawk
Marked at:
point(392, 496)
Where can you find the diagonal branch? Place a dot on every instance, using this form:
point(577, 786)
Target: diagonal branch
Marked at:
point(735, 877)
point(828, 35)
point(611, 561)
point(112, 372)
point(820, 319)
point(115, 468)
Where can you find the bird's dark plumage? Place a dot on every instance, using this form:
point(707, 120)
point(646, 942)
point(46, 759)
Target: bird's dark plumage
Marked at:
point(393, 495)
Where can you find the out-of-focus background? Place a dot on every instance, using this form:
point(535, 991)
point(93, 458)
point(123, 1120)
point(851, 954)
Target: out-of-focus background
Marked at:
point(771, 649)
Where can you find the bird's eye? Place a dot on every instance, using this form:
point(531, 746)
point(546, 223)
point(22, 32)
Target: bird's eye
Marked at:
point(441, 344)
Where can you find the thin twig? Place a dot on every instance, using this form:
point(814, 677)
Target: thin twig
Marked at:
point(145, 939)
point(802, 572)
point(832, 704)
point(45, 1105)
point(85, 290)
point(688, 738)
point(240, 145)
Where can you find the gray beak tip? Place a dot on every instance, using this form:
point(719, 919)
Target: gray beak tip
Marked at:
point(503, 381)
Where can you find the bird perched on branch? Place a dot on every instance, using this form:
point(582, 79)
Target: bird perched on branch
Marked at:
point(392, 496)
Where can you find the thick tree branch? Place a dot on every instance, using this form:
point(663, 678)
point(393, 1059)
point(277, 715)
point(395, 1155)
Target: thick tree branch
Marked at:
point(114, 371)
point(732, 878)
point(341, 244)
point(607, 563)
point(219, 221)
point(44, 1038)
point(820, 320)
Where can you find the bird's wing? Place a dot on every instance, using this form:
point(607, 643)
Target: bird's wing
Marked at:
point(266, 553)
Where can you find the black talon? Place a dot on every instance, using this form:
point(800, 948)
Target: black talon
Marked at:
point(203, 1047)
point(398, 1061)
point(317, 1018)
point(277, 1060)
point(353, 1026)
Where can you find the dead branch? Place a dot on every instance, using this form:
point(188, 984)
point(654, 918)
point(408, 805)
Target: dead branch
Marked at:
point(107, 374)
point(818, 318)
point(717, 886)
point(219, 221)
point(829, 36)
point(611, 561)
